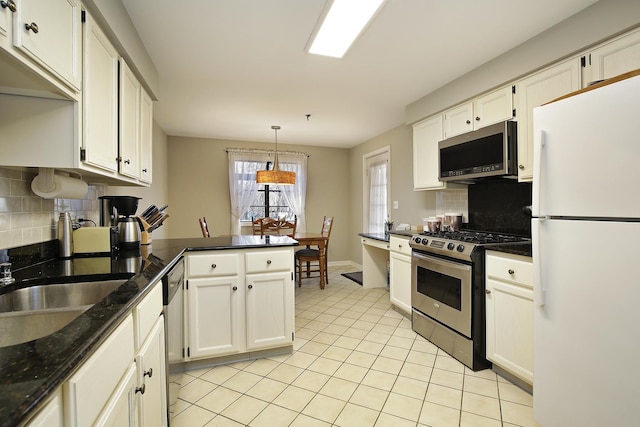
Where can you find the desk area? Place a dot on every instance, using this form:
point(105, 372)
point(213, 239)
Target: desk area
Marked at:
point(375, 256)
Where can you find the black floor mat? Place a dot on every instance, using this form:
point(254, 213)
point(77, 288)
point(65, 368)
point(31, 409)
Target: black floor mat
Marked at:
point(356, 277)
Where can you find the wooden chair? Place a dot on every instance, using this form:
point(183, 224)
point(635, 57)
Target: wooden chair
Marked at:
point(279, 227)
point(315, 259)
point(204, 227)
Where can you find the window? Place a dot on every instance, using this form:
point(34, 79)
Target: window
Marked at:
point(375, 190)
point(249, 199)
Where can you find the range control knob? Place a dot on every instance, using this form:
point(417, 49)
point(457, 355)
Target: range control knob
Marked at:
point(460, 248)
point(425, 241)
point(417, 239)
point(451, 246)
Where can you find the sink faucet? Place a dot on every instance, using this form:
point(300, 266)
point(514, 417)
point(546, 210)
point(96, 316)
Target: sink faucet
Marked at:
point(6, 277)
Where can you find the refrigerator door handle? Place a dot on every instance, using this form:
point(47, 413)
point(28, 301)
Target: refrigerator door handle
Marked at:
point(537, 166)
point(538, 291)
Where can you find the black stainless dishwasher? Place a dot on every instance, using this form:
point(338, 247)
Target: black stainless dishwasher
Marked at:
point(173, 300)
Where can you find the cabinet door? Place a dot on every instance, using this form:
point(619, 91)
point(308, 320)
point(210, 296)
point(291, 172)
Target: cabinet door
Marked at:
point(100, 96)
point(50, 415)
point(129, 122)
point(216, 322)
point(458, 120)
point(121, 408)
point(150, 361)
point(53, 38)
point(269, 309)
point(510, 328)
point(493, 107)
point(6, 18)
point(146, 137)
point(426, 136)
point(614, 58)
point(533, 92)
point(400, 286)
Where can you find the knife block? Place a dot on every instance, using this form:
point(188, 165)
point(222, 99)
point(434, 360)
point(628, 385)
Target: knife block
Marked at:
point(145, 235)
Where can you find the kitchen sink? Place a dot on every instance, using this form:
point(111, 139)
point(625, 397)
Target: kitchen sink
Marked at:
point(30, 313)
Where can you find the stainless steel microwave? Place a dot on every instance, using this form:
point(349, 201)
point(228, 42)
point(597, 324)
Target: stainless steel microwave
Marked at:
point(489, 151)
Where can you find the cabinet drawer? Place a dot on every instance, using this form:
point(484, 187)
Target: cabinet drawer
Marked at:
point(89, 389)
point(213, 264)
point(399, 244)
point(269, 261)
point(146, 313)
point(511, 268)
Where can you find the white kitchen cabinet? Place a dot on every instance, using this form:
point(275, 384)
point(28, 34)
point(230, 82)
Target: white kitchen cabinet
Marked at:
point(151, 378)
point(426, 135)
point(509, 313)
point(146, 137)
point(7, 9)
point(248, 295)
point(100, 98)
point(493, 107)
point(533, 91)
point(400, 272)
point(129, 122)
point(215, 316)
point(51, 415)
point(48, 31)
point(616, 57)
point(121, 408)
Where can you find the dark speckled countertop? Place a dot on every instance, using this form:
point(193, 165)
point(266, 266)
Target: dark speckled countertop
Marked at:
point(29, 372)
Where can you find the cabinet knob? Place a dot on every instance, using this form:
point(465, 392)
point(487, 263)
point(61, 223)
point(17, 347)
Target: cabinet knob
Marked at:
point(235, 288)
point(33, 27)
point(399, 246)
point(141, 389)
point(487, 291)
point(250, 286)
point(144, 170)
point(510, 271)
point(213, 266)
point(477, 119)
point(10, 4)
point(521, 167)
point(468, 122)
point(126, 162)
point(268, 262)
point(148, 373)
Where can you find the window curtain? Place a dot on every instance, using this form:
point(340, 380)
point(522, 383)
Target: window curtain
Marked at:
point(243, 165)
point(377, 196)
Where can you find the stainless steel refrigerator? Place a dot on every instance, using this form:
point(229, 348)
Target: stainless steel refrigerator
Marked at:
point(586, 240)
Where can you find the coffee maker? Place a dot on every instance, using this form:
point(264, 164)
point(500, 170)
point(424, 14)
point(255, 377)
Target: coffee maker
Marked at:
point(118, 213)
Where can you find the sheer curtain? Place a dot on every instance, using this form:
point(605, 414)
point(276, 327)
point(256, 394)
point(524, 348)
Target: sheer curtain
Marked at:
point(377, 195)
point(243, 189)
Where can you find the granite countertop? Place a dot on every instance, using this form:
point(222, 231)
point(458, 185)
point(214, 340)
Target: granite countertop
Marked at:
point(523, 249)
point(29, 372)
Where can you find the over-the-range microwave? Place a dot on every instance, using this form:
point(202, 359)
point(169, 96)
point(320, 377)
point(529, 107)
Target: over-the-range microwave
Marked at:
point(486, 152)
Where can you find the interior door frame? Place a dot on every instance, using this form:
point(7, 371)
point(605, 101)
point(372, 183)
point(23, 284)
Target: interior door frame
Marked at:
point(365, 182)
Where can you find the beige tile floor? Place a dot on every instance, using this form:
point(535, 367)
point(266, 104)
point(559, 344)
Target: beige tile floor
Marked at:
point(356, 362)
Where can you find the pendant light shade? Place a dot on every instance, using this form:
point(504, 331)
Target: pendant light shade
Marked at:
point(275, 176)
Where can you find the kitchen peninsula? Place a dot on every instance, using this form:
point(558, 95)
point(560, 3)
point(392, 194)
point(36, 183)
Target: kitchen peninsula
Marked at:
point(34, 371)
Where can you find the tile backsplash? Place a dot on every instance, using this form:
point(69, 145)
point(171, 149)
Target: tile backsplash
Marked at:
point(26, 218)
point(453, 201)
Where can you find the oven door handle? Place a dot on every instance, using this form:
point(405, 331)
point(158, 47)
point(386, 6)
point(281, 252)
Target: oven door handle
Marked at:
point(443, 263)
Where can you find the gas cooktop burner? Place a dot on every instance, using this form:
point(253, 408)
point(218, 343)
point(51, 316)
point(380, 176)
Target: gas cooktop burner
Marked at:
point(477, 237)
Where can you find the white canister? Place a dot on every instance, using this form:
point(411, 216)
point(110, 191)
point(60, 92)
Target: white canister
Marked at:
point(452, 221)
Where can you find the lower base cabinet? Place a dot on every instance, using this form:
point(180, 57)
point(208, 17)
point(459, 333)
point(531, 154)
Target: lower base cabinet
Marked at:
point(50, 415)
point(509, 308)
point(400, 273)
point(239, 301)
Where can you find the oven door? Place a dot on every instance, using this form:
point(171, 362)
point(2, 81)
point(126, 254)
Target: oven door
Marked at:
point(441, 289)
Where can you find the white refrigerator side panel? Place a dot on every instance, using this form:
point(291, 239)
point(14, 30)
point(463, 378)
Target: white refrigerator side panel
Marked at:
point(588, 165)
point(586, 339)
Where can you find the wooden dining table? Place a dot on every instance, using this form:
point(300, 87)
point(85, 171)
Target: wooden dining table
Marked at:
point(315, 239)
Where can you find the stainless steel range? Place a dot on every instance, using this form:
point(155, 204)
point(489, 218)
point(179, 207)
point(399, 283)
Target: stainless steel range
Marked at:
point(448, 290)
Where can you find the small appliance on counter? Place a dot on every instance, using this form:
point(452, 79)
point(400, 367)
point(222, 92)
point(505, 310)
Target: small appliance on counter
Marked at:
point(118, 213)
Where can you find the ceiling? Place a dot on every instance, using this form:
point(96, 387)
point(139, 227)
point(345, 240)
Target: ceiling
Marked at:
point(229, 69)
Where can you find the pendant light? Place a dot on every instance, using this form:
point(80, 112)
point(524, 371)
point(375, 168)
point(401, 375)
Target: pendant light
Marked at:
point(275, 176)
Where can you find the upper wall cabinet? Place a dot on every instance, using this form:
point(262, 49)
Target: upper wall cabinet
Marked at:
point(426, 135)
point(100, 96)
point(611, 59)
point(6, 14)
point(483, 111)
point(534, 91)
point(48, 31)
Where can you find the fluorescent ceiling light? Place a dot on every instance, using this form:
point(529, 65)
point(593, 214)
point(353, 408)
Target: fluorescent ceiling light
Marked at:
point(342, 24)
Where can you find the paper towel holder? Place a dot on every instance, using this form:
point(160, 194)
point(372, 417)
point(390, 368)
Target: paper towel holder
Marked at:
point(50, 186)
